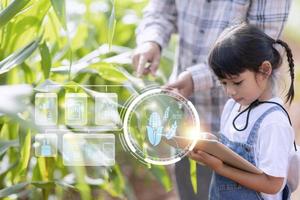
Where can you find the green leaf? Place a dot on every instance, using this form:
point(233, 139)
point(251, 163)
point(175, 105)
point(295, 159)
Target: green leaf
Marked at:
point(8, 169)
point(23, 30)
point(13, 189)
point(48, 86)
point(111, 25)
point(52, 184)
point(116, 186)
point(29, 76)
point(65, 185)
point(10, 11)
point(110, 72)
point(43, 168)
point(44, 184)
point(18, 57)
point(193, 174)
point(26, 26)
point(60, 10)
point(5, 145)
point(95, 56)
point(46, 59)
point(162, 176)
point(25, 152)
point(79, 39)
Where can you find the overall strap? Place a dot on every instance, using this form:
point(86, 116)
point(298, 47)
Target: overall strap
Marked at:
point(253, 133)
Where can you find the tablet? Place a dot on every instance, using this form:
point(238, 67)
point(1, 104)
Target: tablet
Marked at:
point(217, 149)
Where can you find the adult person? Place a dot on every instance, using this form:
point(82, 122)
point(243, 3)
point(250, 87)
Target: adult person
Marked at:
point(198, 23)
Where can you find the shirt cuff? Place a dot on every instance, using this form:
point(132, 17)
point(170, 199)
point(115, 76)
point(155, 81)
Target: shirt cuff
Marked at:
point(202, 77)
point(151, 36)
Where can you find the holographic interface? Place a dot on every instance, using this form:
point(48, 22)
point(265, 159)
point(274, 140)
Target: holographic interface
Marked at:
point(154, 118)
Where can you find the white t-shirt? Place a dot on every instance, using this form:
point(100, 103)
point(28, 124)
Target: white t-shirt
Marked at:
point(275, 138)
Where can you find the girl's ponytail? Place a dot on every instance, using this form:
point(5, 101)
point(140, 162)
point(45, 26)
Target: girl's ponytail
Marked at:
point(291, 93)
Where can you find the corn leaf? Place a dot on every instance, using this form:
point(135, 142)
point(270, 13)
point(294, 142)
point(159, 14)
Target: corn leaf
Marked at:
point(162, 176)
point(11, 10)
point(25, 152)
point(46, 59)
point(60, 10)
point(18, 57)
point(111, 25)
point(193, 175)
point(13, 189)
point(5, 145)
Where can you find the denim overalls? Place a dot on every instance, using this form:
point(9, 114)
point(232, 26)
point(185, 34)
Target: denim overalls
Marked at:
point(222, 188)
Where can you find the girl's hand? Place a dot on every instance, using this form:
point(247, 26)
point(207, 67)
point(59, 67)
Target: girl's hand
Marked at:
point(211, 161)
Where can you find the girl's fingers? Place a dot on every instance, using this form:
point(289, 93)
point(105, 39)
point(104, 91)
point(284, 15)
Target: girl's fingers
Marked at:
point(196, 156)
point(202, 156)
point(205, 156)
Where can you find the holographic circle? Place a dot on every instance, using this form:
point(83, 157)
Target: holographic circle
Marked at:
point(151, 122)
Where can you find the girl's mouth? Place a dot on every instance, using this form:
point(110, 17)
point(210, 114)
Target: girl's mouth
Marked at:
point(238, 100)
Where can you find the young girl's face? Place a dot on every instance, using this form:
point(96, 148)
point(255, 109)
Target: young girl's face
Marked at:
point(246, 87)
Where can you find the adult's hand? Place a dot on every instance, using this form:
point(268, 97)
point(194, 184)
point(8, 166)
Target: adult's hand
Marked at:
point(184, 85)
point(148, 52)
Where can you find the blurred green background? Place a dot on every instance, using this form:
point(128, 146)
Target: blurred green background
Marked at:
point(80, 42)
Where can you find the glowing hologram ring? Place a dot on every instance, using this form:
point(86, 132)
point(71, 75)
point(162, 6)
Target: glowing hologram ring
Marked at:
point(139, 99)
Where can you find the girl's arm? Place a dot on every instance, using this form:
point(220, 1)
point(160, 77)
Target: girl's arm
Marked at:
point(258, 182)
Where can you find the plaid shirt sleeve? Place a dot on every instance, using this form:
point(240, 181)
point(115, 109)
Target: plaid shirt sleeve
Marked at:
point(269, 15)
point(159, 22)
point(203, 77)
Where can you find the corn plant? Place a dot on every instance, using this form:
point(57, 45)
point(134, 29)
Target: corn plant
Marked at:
point(42, 43)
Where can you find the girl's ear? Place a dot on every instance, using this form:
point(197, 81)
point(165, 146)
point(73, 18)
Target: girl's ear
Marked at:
point(266, 68)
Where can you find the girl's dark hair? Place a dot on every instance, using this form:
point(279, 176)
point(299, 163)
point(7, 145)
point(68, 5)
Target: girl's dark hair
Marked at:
point(246, 47)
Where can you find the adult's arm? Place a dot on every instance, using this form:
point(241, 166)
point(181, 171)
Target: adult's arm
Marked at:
point(158, 23)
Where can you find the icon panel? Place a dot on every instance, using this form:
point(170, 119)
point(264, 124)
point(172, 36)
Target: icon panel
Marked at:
point(46, 109)
point(106, 110)
point(88, 149)
point(76, 109)
point(45, 145)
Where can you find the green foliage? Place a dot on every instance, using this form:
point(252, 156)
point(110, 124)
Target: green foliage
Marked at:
point(60, 10)
point(46, 59)
point(39, 41)
point(10, 11)
point(18, 57)
point(193, 174)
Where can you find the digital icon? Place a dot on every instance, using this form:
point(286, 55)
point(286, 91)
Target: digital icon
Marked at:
point(45, 145)
point(154, 129)
point(171, 133)
point(88, 149)
point(156, 125)
point(106, 109)
point(76, 109)
point(46, 148)
point(46, 109)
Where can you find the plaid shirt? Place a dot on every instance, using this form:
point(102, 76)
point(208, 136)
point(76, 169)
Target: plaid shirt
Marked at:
point(198, 24)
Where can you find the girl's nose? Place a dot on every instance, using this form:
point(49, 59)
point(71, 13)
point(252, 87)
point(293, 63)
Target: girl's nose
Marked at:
point(230, 91)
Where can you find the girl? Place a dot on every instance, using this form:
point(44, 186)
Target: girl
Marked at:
point(253, 124)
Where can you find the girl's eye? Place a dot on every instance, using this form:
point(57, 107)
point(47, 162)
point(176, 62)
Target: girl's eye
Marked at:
point(238, 83)
point(222, 82)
